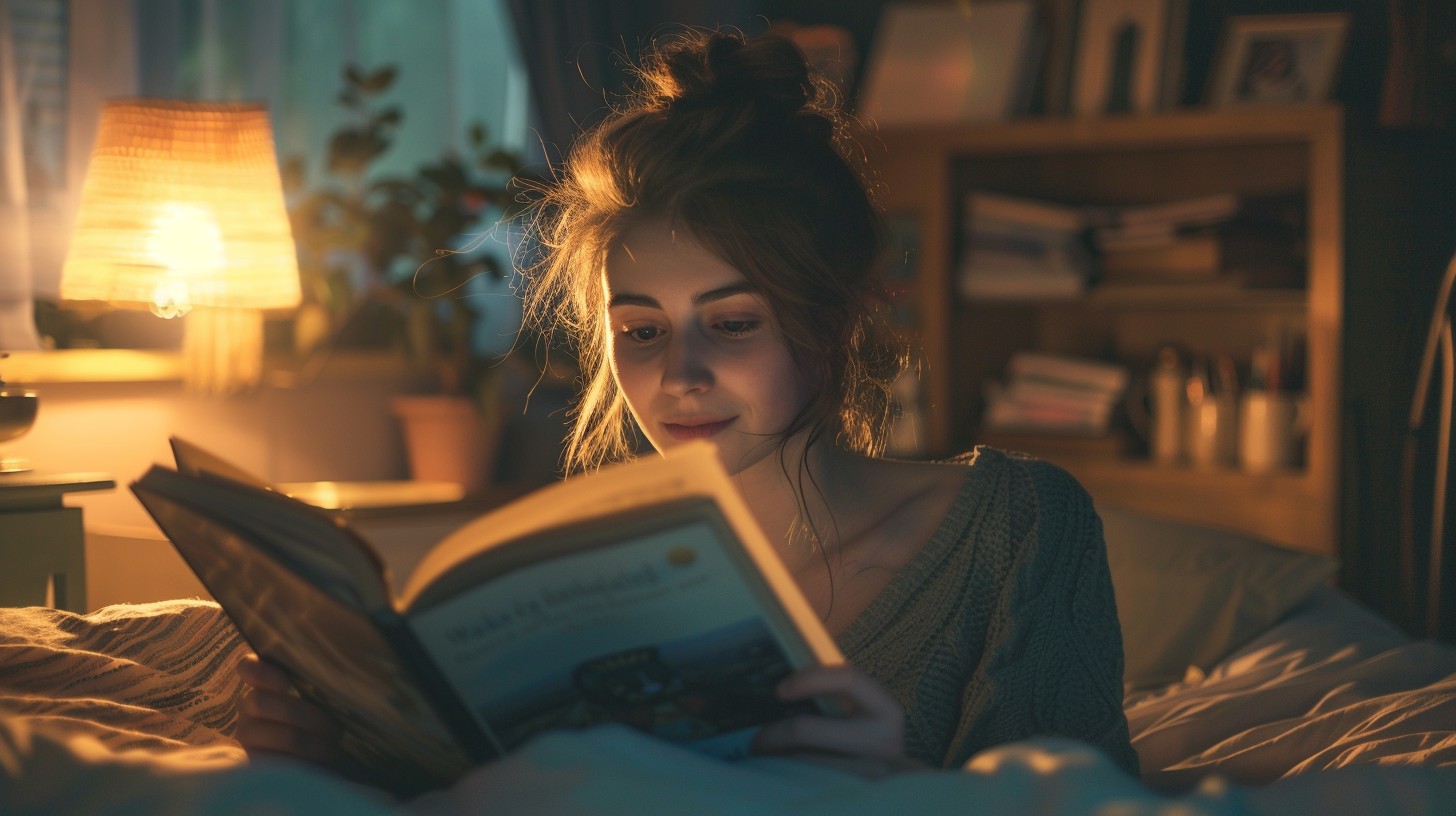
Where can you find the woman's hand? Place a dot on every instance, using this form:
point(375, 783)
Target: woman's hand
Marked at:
point(273, 721)
point(868, 740)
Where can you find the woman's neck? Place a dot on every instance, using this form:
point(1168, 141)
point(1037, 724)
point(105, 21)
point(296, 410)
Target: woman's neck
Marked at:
point(796, 493)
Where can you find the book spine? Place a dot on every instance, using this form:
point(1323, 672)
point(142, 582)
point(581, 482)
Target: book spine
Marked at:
point(449, 707)
point(1025, 211)
point(1088, 373)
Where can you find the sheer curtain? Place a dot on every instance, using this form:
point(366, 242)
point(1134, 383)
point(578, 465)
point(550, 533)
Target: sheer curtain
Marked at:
point(33, 172)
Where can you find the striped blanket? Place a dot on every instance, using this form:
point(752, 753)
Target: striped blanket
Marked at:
point(157, 678)
point(131, 709)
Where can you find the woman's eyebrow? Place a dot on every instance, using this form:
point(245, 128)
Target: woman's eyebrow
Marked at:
point(626, 299)
point(724, 292)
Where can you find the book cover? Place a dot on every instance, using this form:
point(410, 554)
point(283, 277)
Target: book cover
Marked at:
point(1076, 371)
point(1188, 256)
point(984, 206)
point(1008, 414)
point(642, 594)
point(1197, 210)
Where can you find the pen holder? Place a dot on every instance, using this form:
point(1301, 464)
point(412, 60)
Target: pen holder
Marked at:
point(1210, 434)
point(1272, 427)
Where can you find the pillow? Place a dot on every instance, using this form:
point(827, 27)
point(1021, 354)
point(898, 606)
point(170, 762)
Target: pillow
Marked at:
point(1189, 595)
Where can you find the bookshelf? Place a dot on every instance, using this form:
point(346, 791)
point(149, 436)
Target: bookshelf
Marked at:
point(924, 173)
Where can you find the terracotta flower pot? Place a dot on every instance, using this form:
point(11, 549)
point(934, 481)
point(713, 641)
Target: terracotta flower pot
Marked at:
point(448, 439)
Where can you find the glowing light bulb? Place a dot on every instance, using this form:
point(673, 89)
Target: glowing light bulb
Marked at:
point(186, 242)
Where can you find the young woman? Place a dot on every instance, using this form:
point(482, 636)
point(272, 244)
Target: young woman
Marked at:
point(710, 247)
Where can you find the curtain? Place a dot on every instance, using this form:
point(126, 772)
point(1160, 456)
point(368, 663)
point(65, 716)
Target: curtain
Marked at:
point(32, 161)
point(17, 328)
point(575, 51)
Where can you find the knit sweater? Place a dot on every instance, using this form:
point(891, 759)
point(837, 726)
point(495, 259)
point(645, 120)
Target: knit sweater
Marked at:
point(1003, 627)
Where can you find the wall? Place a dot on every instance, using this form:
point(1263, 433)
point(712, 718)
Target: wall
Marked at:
point(337, 427)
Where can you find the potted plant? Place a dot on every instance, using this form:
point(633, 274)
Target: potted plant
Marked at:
point(407, 262)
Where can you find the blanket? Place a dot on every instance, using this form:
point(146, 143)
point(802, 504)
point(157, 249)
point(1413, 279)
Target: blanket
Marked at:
point(158, 679)
point(1331, 686)
point(132, 708)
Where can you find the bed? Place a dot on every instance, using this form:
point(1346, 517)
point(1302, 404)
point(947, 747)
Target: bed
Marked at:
point(1253, 686)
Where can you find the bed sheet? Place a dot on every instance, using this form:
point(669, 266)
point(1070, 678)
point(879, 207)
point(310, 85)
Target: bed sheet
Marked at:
point(1332, 685)
point(131, 710)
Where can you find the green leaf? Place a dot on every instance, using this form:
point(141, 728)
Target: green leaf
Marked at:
point(380, 80)
point(501, 159)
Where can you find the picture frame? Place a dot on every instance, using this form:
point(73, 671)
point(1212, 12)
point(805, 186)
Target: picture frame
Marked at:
point(1278, 59)
point(941, 63)
point(1128, 56)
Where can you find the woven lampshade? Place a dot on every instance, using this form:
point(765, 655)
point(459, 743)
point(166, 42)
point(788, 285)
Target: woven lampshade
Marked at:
point(182, 212)
point(183, 206)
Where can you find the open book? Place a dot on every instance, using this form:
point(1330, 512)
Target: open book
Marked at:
point(642, 594)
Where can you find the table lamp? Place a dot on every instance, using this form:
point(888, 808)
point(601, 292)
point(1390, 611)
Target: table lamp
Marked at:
point(182, 213)
point(18, 407)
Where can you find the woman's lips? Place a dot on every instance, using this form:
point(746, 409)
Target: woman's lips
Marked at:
point(696, 430)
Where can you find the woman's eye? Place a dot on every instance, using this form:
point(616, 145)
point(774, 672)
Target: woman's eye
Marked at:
point(641, 334)
point(737, 328)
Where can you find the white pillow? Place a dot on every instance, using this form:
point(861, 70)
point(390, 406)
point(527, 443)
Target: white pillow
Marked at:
point(1189, 595)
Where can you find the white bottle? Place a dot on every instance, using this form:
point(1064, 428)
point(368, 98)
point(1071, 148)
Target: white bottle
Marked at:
point(1166, 386)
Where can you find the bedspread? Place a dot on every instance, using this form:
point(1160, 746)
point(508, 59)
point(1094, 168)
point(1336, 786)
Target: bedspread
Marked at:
point(158, 679)
point(1331, 686)
point(131, 709)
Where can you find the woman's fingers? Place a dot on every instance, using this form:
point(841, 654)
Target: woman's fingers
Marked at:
point(269, 736)
point(851, 737)
point(848, 685)
point(872, 726)
point(272, 719)
point(263, 676)
point(287, 710)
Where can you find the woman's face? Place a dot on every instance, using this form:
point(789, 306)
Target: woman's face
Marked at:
point(695, 350)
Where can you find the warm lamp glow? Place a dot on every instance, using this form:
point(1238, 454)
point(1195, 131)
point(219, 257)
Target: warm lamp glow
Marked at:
point(182, 212)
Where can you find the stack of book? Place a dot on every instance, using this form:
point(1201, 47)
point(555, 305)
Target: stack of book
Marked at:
point(1022, 249)
point(1052, 394)
point(1172, 242)
point(1213, 241)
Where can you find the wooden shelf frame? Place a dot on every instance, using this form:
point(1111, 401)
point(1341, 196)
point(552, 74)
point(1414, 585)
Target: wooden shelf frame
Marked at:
point(921, 175)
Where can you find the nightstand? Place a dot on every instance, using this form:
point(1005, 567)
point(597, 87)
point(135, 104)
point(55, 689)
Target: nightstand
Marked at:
point(41, 540)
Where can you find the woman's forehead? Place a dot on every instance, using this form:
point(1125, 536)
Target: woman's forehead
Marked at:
point(656, 254)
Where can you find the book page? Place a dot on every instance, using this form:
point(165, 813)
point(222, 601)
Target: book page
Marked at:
point(687, 470)
point(671, 630)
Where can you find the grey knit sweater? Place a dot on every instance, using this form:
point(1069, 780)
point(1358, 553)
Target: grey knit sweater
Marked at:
point(1003, 627)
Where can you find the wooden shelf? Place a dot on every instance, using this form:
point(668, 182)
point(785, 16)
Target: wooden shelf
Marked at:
point(1193, 296)
point(924, 174)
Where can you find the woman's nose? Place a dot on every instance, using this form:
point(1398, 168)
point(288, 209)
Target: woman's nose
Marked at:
point(686, 367)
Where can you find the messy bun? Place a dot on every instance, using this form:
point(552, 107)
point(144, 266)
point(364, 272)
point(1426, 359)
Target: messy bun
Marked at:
point(739, 141)
point(767, 72)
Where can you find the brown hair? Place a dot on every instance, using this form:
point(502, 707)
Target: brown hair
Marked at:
point(740, 142)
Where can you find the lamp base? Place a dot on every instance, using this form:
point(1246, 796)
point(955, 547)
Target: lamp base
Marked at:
point(14, 464)
point(222, 350)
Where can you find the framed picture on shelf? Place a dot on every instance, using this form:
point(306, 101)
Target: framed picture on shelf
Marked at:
point(938, 63)
point(1129, 56)
point(1278, 59)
